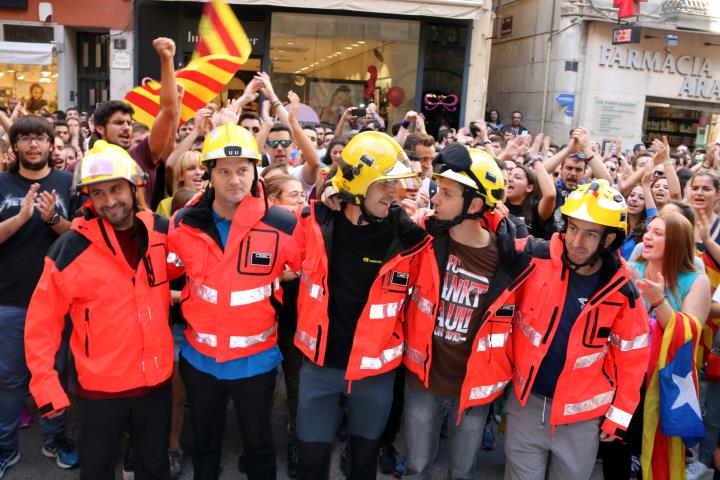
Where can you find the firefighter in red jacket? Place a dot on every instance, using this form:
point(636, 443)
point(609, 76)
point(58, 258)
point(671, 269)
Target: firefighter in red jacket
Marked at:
point(234, 249)
point(580, 343)
point(110, 274)
point(458, 352)
point(360, 263)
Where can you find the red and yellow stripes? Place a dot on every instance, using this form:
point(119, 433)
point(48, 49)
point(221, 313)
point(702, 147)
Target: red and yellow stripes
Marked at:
point(222, 49)
point(220, 33)
point(663, 457)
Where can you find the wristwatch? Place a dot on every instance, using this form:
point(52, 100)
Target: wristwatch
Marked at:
point(54, 220)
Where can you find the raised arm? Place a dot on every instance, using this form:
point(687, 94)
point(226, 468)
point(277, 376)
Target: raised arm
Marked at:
point(162, 135)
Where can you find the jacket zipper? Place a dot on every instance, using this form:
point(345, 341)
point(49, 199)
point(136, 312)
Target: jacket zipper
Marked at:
point(247, 250)
point(87, 332)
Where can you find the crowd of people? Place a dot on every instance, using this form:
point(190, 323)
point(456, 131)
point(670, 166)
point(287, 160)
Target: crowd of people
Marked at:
point(448, 284)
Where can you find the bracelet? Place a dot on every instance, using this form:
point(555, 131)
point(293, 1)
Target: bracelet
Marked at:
point(590, 158)
point(405, 124)
point(276, 103)
point(654, 307)
point(669, 163)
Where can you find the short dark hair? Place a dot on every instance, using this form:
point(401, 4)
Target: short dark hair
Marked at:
point(71, 108)
point(60, 123)
point(279, 127)
point(106, 109)
point(517, 111)
point(248, 115)
point(415, 139)
point(139, 127)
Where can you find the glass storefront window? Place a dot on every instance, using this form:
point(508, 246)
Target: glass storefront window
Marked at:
point(35, 86)
point(335, 62)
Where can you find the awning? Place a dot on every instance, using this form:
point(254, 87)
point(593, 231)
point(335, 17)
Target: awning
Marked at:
point(458, 9)
point(23, 53)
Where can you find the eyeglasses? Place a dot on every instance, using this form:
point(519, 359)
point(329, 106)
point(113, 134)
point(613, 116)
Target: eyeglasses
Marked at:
point(658, 173)
point(28, 139)
point(294, 195)
point(282, 143)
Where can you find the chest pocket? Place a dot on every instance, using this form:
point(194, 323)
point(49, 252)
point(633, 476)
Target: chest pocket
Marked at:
point(598, 321)
point(258, 252)
point(155, 263)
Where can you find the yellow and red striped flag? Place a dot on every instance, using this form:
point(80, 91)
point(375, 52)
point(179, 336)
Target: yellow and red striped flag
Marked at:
point(220, 33)
point(222, 48)
point(203, 79)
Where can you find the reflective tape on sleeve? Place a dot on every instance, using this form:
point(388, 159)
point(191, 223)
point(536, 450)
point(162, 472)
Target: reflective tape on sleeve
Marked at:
point(423, 304)
point(314, 290)
point(387, 356)
point(618, 416)
point(587, 360)
point(484, 391)
point(532, 334)
point(590, 404)
point(173, 259)
point(641, 341)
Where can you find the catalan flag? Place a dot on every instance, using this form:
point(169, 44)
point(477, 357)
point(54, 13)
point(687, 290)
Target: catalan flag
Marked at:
point(223, 47)
point(220, 33)
point(712, 269)
point(672, 412)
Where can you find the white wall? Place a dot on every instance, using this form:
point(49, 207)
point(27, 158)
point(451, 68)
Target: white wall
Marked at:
point(627, 83)
point(121, 79)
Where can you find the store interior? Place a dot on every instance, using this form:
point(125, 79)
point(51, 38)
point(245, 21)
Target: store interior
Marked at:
point(690, 124)
point(16, 82)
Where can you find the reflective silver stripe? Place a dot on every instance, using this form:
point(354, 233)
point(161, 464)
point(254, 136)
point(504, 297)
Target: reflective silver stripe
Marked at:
point(484, 391)
point(314, 290)
point(587, 360)
point(493, 340)
point(238, 341)
point(254, 295)
point(205, 293)
point(387, 356)
point(306, 339)
point(641, 341)
point(173, 259)
point(618, 416)
point(423, 304)
point(532, 334)
point(414, 355)
point(385, 310)
point(206, 338)
point(597, 401)
point(519, 380)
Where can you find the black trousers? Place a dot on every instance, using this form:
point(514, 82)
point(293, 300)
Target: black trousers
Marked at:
point(253, 400)
point(101, 426)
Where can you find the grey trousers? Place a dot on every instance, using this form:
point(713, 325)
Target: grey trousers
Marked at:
point(423, 415)
point(532, 452)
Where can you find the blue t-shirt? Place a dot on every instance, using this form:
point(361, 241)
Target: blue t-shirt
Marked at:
point(626, 249)
point(685, 282)
point(580, 289)
point(245, 367)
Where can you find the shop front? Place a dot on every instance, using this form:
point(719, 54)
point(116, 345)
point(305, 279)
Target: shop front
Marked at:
point(335, 60)
point(28, 74)
point(648, 90)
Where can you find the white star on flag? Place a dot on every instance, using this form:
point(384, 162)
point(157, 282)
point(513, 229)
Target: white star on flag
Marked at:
point(687, 393)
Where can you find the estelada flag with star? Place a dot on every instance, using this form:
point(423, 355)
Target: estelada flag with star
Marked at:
point(628, 8)
point(710, 329)
point(222, 48)
point(671, 417)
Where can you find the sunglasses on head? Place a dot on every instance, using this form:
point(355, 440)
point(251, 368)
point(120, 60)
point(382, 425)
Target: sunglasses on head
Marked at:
point(282, 143)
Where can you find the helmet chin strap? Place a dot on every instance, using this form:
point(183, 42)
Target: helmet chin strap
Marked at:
point(365, 216)
point(468, 196)
point(591, 260)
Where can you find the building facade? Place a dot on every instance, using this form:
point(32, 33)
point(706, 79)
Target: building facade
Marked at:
point(562, 70)
point(75, 67)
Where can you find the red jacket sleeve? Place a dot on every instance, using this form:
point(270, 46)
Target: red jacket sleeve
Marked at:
point(629, 348)
point(43, 331)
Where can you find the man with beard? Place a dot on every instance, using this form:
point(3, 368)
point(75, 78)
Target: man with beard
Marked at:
point(110, 274)
point(573, 159)
point(34, 207)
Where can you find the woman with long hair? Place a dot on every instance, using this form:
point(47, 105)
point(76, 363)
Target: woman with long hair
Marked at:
point(660, 191)
point(678, 299)
point(641, 209)
point(187, 172)
point(531, 193)
point(334, 148)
